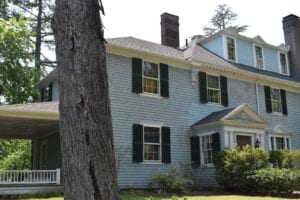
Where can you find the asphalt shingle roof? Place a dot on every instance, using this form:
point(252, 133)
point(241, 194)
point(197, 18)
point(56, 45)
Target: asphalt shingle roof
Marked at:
point(214, 116)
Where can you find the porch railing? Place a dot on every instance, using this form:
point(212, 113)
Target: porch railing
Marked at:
point(29, 177)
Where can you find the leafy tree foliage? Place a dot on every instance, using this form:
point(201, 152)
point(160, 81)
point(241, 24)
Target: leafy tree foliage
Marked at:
point(15, 154)
point(17, 77)
point(3, 9)
point(223, 18)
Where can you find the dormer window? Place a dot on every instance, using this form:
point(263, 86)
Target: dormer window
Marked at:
point(259, 61)
point(283, 63)
point(231, 49)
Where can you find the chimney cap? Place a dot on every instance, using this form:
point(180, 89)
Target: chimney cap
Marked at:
point(290, 17)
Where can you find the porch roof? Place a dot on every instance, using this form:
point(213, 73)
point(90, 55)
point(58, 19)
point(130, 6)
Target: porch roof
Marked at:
point(242, 115)
point(29, 120)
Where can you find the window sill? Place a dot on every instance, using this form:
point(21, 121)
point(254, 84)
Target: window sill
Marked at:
point(151, 95)
point(277, 114)
point(207, 166)
point(151, 163)
point(214, 104)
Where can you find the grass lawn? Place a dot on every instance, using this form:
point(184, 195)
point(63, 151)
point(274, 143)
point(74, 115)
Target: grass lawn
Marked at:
point(210, 197)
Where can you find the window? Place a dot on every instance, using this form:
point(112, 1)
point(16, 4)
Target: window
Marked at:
point(230, 48)
point(207, 149)
point(150, 78)
point(259, 63)
point(213, 89)
point(152, 144)
point(276, 100)
point(283, 63)
point(279, 142)
point(46, 93)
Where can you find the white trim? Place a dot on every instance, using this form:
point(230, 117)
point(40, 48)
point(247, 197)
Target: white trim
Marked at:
point(160, 145)
point(226, 48)
point(151, 124)
point(147, 77)
point(201, 149)
point(274, 140)
point(275, 100)
point(255, 58)
point(152, 95)
point(219, 89)
point(287, 63)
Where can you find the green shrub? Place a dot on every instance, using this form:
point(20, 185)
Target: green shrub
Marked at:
point(272, 181)
point(285, 158)
point(171, 181)
point(232, 165)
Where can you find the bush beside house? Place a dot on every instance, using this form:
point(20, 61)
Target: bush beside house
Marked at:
point(247, 171)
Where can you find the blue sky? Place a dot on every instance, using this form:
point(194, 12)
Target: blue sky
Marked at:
point(141, 18)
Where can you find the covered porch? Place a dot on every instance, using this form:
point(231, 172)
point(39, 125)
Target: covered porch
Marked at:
point(38, 122)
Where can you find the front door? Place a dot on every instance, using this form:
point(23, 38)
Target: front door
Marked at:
point(243, 140)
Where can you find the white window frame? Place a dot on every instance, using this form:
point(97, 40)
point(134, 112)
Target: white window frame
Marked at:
point(201, 149)
point(219, 89)
point(160, 144)
point(285, 137)
point(276, 112)
point(226, 48)
point(255, 58)
point(157, 79)
point(287, 63)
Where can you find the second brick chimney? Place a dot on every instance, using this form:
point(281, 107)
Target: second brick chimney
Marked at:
point(291, 28)
point(169, 30)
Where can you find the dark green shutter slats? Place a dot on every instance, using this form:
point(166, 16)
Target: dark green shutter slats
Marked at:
point(268, 99)
point(224, 93)
point(164, 80)
point(166, 147)
point(216, 145)
point(137, 76)
point(195, 151)
point(283, 102)
point(42, 94)
point(203, 87)
point(50, 92)
point(137, 143)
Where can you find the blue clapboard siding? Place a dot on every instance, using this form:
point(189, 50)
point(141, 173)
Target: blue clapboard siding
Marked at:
point(244, 52)
point(179, 112)
point(271, 60)
point(215, 45)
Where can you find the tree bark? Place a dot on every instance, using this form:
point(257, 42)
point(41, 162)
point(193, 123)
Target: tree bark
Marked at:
point(89, 170)
point(38, 39)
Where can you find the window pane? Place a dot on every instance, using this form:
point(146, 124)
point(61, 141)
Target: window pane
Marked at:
point(275, 94)
point(259, 57)
point(276, 106)
point(207, 150)
point(151, 135)
point(231, 48)
point(213, 96)
point(150, 86)
point(280, 143)
point(283, 63)
point(150, 70)
point(213, 81)
point(288, 146)
point(151, 152)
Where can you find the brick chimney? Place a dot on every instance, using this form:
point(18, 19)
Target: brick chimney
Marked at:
point(291, 28)
point(169, 30)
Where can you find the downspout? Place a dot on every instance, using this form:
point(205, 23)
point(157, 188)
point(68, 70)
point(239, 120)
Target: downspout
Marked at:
point(257, 97)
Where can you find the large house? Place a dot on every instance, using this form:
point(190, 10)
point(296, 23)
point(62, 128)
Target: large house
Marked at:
point(175, 105)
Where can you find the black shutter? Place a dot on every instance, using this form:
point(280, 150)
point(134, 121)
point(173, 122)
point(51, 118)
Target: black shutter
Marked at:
point(195, 151)
point(268, 99)
point(216, 145)
point(203, 87)
point(224, 93)
point(166, 147)
point(283, 102)
point(137, 76)
point(42, 94)
point(137, 143)
point(50, 92)
point(164, 80)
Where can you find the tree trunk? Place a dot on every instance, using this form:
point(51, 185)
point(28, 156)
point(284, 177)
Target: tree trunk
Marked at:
point(38, 39)
point(85, 119)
